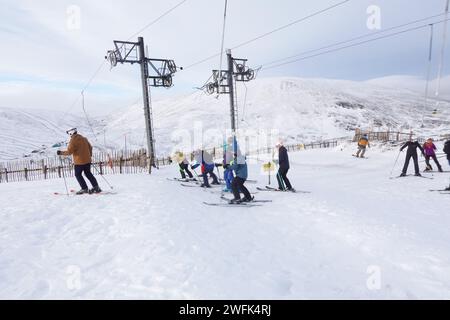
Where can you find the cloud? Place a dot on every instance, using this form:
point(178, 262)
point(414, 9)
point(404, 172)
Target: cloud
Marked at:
point(42, 49)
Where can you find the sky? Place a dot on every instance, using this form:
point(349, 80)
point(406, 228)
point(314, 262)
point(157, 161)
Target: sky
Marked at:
point(51, 49)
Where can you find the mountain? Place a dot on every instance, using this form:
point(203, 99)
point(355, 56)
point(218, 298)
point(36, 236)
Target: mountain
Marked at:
point(32, 133)
point(299, 110)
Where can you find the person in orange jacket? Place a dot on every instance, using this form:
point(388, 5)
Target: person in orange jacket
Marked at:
point(363, 143)
point(81, 151)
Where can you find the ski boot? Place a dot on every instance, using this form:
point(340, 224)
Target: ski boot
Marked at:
point(95, 189)
point(291, 190)
point(418, 174)
point(248, 199)
point(204, 186)
point(403, 174)
point(447, 189)
point(226, 190)
point(82, 191)
point(216, 183)
point(235, 201)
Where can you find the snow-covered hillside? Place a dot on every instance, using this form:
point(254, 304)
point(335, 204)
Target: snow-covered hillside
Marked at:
point(301, 110)
point(32, 133)
point(361, 236)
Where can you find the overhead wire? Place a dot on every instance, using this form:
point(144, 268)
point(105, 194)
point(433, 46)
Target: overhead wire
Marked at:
point(269, 33)
point(353, 39)
point(352, 45)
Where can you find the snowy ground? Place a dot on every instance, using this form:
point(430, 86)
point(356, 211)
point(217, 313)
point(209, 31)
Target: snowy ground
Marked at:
point(156, 240)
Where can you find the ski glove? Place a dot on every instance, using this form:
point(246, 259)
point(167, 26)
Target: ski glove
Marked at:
point(59, 152)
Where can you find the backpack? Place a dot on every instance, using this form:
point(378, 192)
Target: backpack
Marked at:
point(447, 147)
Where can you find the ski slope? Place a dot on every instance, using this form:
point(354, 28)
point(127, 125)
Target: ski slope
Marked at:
point(155, 239)
point(30, 133)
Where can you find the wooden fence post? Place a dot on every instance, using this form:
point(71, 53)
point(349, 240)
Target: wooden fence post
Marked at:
point(44, 169)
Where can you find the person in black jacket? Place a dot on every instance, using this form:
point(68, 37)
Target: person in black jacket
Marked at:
point(411, 152)
point(283, 163)
point(447, 150)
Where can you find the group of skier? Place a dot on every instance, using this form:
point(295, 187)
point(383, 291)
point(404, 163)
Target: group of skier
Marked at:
point(427, 150)
point(235, 169)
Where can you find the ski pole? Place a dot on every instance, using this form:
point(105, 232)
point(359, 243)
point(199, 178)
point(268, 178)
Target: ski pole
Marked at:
point(102, 177)
point(64, 176)
point(395, 163)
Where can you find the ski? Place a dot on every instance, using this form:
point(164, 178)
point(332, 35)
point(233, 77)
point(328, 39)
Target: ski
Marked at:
point(221, 204)
point(439, 190)
point(267, 188)
point(73, 193)
point(253, 201)
point(183, 180)
point(354, 155)
point(411, 175)
point(198, 186)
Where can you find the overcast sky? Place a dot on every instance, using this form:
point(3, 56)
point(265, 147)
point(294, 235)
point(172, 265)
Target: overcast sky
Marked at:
point(47, 57)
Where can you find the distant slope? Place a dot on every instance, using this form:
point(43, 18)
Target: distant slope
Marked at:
point(32, 133)
point(300, 109)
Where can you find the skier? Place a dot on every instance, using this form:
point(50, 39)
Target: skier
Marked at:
point(447, 150)
point(363, 143)
point(183, 164)
point(81, 150)
point(239, 166)
point(205, 160)
point(429, 148)
point(283, 163)
point(228, 175)
point(411, 153)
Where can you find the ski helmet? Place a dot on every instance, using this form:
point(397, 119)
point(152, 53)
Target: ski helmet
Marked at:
point(71, 131)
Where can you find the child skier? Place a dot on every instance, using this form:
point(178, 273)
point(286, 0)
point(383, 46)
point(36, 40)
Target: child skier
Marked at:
point(183, 164)
point(81, 150)
point(283, 163)
point(363, 143)
point(205, 160)
point(429, 148)
point(239, 166)
point(228, 175)
point(411, 153)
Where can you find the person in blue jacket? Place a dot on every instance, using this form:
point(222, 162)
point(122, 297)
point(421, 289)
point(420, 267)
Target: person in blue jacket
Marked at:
point(228, 175)
point(205, 160)
point(239, 166)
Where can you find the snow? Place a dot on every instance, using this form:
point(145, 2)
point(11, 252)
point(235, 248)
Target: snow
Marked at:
point(155, 239)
